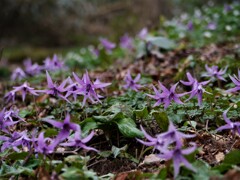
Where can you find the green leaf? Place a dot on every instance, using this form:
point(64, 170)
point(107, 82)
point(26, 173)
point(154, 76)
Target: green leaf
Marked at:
point(74, 173)
point(50, 132)
point(87, 125)
point(24, 113)
point(141, 49)
point(161, 118)
point(141, 114)
point(232, 158)
point(128, 128)
point(17, 156)
point(204, 171)
point(161, 42)
point(116, 151)
point(108, 118)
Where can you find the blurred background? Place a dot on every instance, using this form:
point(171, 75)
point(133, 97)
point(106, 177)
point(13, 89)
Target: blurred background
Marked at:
point(39, 28)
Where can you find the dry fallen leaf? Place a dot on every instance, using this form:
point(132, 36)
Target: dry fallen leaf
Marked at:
point(219, 156)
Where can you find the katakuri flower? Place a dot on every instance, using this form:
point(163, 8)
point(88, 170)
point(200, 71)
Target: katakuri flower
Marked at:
point(177, 155)
point(132, 83)
point(54, 89)
point(190, 26)
point(79, 142)
point(14, 140)
point(10, 96)
point(166, 96)
point(5, 123)
point(87, 88)
point(214, 73)
point(45, 145)
point(143, 33)
point(236, 81)
point(71, 89)
point(65, 127)
point(108, 46)
point(53, 64)
point(212, 26)
point(190, 81)
point(198, 90)
point(24, 89)
point(233, 126)
point(18, 73)
point(12, 115)
point(126, 42)
point(32, 69)
point(157, 142)
point(169, 144)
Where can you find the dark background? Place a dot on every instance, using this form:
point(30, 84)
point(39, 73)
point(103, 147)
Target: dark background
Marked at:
point(43, 26)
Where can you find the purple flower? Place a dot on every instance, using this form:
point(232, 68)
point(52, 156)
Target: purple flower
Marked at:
point(157, 142)
point(143, 33)
point(211, 26)
point(14, 140)
point(236, 81)
point(95, 51)
point(190, 26)
point(126, 42)
point(198, 90)
point(45, 145)
point(177, 155)
point(4, 123)
point(190, 81)
point(169, 144)
point(78, 141)
point(87, 88)
point(109, 46)
point(32, 69)
point(173, 135)
point(132, 83)
point(55, 90)
point(12, 114)
point(71, 89)
point(213, 72)
point(24, 89)
point(53, 64)
point(227, 8)
point(158, 96)
point(234, 126)
point(65, 127)
point(18, 74)
point(166, 96)
point(10, 96)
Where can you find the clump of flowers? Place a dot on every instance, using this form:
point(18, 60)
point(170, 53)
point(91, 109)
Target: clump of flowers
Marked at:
point(132, 83)
point(169, 146)
point(165, 96)
point(32, 69)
